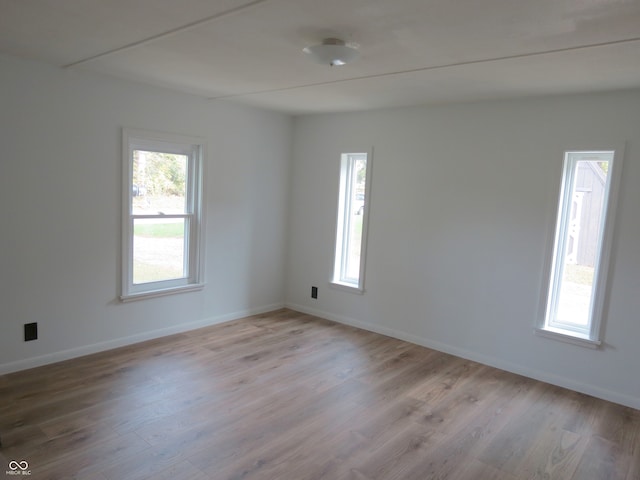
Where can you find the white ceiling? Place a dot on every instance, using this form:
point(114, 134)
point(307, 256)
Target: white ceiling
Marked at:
point(412, 51)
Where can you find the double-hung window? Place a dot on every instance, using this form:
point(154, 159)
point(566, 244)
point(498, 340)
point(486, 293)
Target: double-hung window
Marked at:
point(352, 221)
point(162, 214)
point(577, 271)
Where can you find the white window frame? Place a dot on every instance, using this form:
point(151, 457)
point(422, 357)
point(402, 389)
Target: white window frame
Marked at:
point(339, 279)
point(195, 149)
point(590, 335)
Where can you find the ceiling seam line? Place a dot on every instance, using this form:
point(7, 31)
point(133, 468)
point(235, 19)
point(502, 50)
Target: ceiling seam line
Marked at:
point(168, 33)
point(432, 67)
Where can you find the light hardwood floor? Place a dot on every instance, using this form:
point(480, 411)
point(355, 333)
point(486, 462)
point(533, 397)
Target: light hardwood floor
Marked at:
point(289, 396)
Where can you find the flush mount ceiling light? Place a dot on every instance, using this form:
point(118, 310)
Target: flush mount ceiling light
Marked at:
point(332, 51)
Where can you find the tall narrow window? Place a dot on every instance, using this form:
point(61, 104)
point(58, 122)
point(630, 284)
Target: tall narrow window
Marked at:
point(581, 247)
point(162, 214)
point(352, 219)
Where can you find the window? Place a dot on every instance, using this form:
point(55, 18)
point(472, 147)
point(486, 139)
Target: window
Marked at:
point(578, 269)
point(353, 214)
point(162, 218)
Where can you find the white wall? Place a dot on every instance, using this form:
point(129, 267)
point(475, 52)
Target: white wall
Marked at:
point(463, 200)
point(60, 184)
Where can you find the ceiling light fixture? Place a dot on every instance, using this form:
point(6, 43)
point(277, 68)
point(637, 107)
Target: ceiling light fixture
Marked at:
point(332, 51)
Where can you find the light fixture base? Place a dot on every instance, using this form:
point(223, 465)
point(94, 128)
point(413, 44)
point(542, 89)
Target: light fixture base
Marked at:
point(333, 52)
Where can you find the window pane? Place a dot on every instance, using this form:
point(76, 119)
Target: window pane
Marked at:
point(158, 183)
point(584, 214)
point(354, 215)
point(158, 249)
point(350, 236)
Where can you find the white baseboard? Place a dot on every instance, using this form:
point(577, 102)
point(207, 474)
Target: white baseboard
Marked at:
point(137, 338)
point(546, 377)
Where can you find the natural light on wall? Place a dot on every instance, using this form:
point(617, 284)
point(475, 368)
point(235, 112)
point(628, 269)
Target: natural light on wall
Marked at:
point(578, 269)
point(352, 220)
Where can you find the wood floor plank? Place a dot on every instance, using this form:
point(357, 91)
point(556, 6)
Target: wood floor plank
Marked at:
point(90, 461)
point(475, 469)
point(473, 419)
point(285, 395)
point(602, 460)
point(562, 450)
point(508, 450)
point(180, 471)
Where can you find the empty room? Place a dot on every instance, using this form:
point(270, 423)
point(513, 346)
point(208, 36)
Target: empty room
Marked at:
point(342, 240)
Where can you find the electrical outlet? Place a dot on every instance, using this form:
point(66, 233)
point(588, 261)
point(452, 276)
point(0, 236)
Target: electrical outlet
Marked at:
point(314, 292)
point(30, 331)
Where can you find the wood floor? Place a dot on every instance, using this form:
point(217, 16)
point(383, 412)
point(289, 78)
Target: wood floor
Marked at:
point(289, 396)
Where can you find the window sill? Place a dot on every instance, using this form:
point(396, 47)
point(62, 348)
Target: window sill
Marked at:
point(568, 337)
point(161, 293)
point(345, 287)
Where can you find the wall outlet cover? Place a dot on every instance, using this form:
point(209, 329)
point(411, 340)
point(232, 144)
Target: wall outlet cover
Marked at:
point(30, 331)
